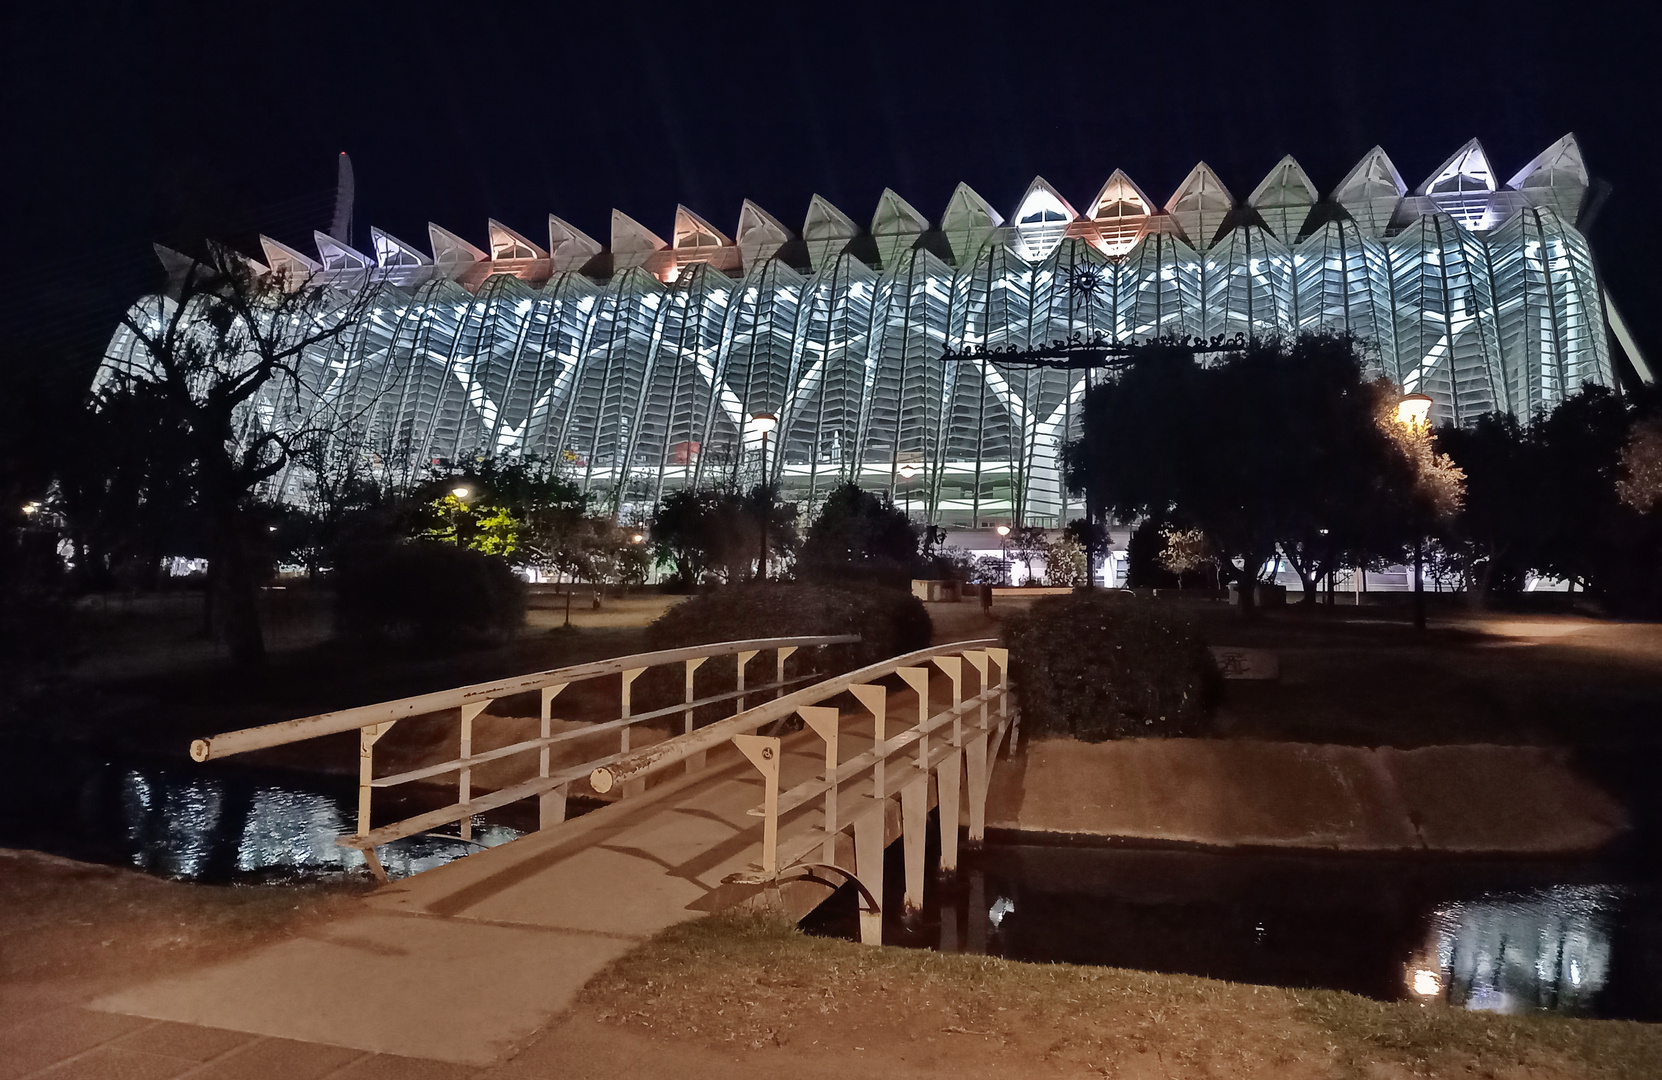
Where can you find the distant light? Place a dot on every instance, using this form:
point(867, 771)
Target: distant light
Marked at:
point(908, 471)
point(31, 508)
point(1003, 530)
point(461, 491)
point(637, 538)
point(1414, 410)
point(1427, 983)
point(764, 422)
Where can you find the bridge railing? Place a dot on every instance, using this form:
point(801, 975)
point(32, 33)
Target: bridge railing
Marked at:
point(956, 744)
point(549, 786)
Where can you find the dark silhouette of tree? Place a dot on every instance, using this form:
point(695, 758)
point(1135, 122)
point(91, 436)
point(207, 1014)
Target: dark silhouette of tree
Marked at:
point(1283, 446)
point(716, 535)
point(859, 532)
point(213, 359)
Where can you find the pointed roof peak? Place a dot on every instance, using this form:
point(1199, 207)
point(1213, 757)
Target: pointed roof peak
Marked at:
point(391, 251)
point(1467, 169)
point(282, 258)
point(568, 246)
point(508, 244)
point(826, 231)
point(760, 234)
point(630, 237)
point(693, 231)
point(1042, 188)
point(1561, 159)
point(1120, 188)
point(1200, 205)
point(452, 252)
point(337, 255)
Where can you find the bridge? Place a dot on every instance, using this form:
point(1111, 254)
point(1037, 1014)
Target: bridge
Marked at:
point(465, 961)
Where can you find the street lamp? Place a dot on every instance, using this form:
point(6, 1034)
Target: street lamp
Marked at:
point(907, 471)
point(461, 491)
point(765, 423)
point(1003, 530)
point(1414, 413)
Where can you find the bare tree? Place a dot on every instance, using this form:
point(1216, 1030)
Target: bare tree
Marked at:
point(247, 369)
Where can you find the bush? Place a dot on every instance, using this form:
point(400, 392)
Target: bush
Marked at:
point(889, 622)
point(1106, 666)
point(429, 592)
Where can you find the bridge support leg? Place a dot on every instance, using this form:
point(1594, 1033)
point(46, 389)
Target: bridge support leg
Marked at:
point(551, 807)
point(975, 754)
point(914, 823)
point(948, 784)
point(868, 863)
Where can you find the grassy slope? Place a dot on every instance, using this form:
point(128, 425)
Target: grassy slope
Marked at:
point(750, 981)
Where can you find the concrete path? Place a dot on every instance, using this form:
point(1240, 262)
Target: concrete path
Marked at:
point(467, 962)
point(1249, 792)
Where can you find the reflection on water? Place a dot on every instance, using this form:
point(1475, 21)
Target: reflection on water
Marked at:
point(211, 824)
point(1546, 949)
point(1502, 934)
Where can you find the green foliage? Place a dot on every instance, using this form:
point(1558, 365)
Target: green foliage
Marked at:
point(1104, 665)
point(1064, 562)
point(715, 536)
point(427, 592)
point(860, 534)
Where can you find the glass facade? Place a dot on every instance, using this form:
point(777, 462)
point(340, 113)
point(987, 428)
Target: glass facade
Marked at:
point(637, 368)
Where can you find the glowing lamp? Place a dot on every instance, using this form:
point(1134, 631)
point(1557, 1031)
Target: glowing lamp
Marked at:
point(908, 471)
point(637, 539)
point(1414, 410)
point(1003, 530)
point(1426, 983)
point(461, 492)
point(764, 422)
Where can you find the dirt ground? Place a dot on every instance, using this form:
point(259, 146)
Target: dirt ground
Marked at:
point(70, 931)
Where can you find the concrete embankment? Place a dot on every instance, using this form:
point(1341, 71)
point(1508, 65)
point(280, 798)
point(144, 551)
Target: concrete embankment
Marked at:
point(1253, 793)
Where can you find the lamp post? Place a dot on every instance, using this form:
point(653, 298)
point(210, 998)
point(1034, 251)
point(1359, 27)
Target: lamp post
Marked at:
point(907, 471)
point(460, 492)
point(1414, 413)
point(765, 423)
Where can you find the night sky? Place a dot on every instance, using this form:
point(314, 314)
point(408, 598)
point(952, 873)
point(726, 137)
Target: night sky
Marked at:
point(171, 121)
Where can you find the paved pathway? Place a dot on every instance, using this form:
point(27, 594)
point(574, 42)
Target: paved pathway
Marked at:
point(466, 963)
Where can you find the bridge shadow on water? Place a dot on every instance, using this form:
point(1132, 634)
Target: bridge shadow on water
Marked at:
point(1580, 937)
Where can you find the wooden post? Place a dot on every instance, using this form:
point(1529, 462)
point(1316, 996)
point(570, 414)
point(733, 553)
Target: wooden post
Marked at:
point(918, 679)
point(634, 787)
point(763, 752)
point(914, 821)
point(823, 719)
point(953, 666)
point(948, 780)
point(876, 700)
point(868, 864)
point(779, 668)
point(551, 805)
point(464, 778)
point(696, 762)
point(1001, 661)
point(368, 736)
point(744, 658)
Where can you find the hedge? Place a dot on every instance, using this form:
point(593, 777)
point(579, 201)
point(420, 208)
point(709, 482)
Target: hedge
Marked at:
point(889, 622)
point(1103, 665)
point(427, 592)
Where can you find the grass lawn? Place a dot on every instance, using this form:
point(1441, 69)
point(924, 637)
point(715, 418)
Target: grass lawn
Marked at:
point(756, 982)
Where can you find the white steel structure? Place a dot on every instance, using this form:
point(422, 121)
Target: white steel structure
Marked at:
point(638, 368)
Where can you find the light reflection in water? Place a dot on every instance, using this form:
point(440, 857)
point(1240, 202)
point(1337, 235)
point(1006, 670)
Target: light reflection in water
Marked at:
point(1548, 949)
point(203, 828)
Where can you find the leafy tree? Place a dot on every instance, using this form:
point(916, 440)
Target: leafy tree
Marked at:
point(1026, 543)
point(716, 535)
point(1496, 537)
point(861, 532)
point(1640, 485)
point(1065, 564)
point(1281, 446)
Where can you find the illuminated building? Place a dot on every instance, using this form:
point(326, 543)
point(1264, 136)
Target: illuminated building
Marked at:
point(637, 367)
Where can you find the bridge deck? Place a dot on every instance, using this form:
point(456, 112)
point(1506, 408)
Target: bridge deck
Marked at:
point(464, 962)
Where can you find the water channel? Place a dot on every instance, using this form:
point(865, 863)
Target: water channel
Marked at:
point(1580, 936)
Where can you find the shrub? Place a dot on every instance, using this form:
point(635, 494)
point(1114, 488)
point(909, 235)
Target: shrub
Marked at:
point(1106, 666)
point(426, 592)
point(889, 622)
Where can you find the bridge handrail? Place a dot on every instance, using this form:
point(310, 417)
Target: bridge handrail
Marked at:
point(661, 756)
point(266, 736)
point(550, 785)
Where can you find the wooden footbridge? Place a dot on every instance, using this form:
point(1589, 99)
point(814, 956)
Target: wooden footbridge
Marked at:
point(800, 811)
